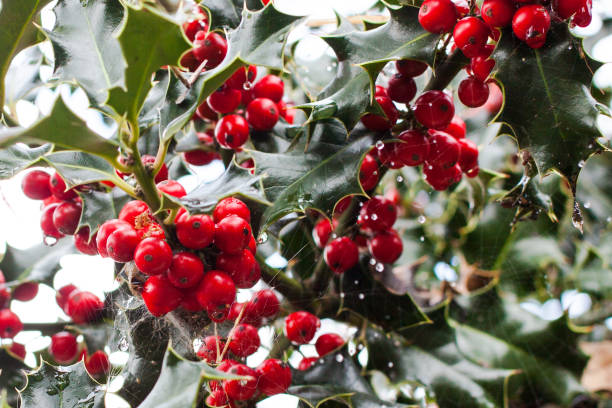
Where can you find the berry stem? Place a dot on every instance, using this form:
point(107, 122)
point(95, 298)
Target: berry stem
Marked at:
point(46, 328)
point(447, 70)
point(231, 333)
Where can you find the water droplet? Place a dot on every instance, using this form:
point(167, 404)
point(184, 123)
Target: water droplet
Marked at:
point(581, 163)
point(263, 237)
point(372, 261)
point(399, 179)
point(421, 219)
point(123, 344)
point(609, 219)
point(392, 164)
point(339, 358)
point(587, 204)
point(342, 295)
point(321, 361)
point(390, 364)
point(49, 241)
point(328, 68)
point(361, 296)
point(360, 346)
point(52, 391)
point(380, 144)
point(356, 282)
point(380, 267)
point(247, 86)
point(374, 217)
point(422, 238)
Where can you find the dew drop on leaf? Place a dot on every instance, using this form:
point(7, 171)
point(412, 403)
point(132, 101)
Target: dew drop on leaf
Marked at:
point(421, 219)
point(361, 296)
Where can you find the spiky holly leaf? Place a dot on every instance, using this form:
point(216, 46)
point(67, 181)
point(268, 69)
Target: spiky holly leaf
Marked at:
point(78, 168)
point(361, 56)
point(23, 76)
point(69, 387)
point(559, 129)
point(15, 158)
point(313, 177)
point(38, 263)
point(74, 133)
point(228, 13)
point(83, 36)
point(17, 32)
point(12, 377)
point(180, 382)
point(98, 207)
point(148, 41)
point(258, 40)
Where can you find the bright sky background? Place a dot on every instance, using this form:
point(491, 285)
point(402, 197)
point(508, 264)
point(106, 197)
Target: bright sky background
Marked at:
point(19, 216)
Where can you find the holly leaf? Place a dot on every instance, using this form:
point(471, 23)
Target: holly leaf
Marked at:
point(258, 40)
point(68, 387)
point(228, 13)
point(78, 168)
point(23, 76)
point(98, 207)
point(148, 41)
point(17, 32)
point(83, 36)
point(180, 382)
point(74, 133)
point(38, 263)
point(560, 128)
point(361, 56)
point(313, 178)
point(12, 377)
point(18, 157)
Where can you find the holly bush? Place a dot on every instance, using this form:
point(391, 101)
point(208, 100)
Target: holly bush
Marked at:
point(392, 215)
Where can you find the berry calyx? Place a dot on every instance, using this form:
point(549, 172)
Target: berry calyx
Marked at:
point(341, 254)
point(153, 256)
point(35, 185)
point(300, 327)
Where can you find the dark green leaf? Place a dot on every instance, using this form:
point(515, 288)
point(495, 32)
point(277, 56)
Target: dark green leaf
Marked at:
point(23, 76)
point(180, 382)
point(98, 207)
point(148, 41)
point(74, 133)
point(317, 395)
point(85, 46)
point(18, 157)
point(77, 168)
point(67, 387)
point(16, 32)
point(38, 263)
point(316, 178)
point(12, 376)
point(298, 247)
point(228, 13)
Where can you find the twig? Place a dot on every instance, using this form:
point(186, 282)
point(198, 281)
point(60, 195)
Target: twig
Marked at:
point(191, 81)
point(46, 328)
point(377, 18)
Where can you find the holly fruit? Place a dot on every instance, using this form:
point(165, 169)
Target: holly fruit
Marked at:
point(59, 189)
point(271, 87)
point(172, 188)
point(133, 210)
point(238, 266)
point(386, 246)
point(368, 172)
point(232, 234)
point(441, 178)
point(148, 162)
point(381, 123)
point(216, 291)
point(410, 68)
point(473, 92)
point(468, 157)
point(497, 13)
point(328, 342)
point(122, 243)
point(66, 217)
point(186, 270)
point(244, 340)
point(341, 254)
point(377, 214)
point(306, 363)
point(63, 293)
point(211, 346)
point(262, 114)
point(35, 185)
point(274, 377)
point(105, 231)
point(414, 148)
point(210, 47)
point(46, 222)
point(530, 24)
point(241, 390)
point(321, 232)
point(231, 206)
point(401, 88)
point(300, 327)
point(196, 231)
point(85, 243)
point(10, 324)
point(438, 16)
point(153, 256)
point(25, 292)
point(443, 149)
point(434, 109)
point(232, 131)
point(225, 99)
point(83, 306)
point(242, 76)
point(265, 303)
point(97, 364)
point(160, 296)
point(63, 347)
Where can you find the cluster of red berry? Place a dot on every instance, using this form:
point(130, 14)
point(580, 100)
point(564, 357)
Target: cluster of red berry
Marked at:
point(441, 148)
point(65, 349)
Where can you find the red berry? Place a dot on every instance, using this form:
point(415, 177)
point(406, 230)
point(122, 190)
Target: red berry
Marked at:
point(306, 363)
point(66, 217)
point(205, 112)
point(232, 131)
point(200, 157)
point(274, 377)
point(218, 398)
point(380, 91)
point(473, 92)
point(189, 301)
point(186, 270)
point(328, 342)
point(242, 76)
point(25, 291)
point(437, 16)
point(148, 161)
point(401, 88)
point(18, 349)
point(434, 109)
point(211, 47)
point(241, 390)
point(62, 295)
point(244, 340)
point(342, 206)
point(462, 7)
point(225, 100)
point(368, 172)
point(481, 67)
point(46, 222)
point(530, 24)
point(262, 114)
point(5, 297)
point(321, 232)
point(238, 266)
point(388, 155)
point(84, 243)
point(59, 190)
point(271, 87)
point(470, 35)
point(10, 324)
point(497, 13)
point(232, 234)
point(249, 316)
point(192, 27)
point(231, 206)
point(584, 15)
point(97, 364)
point(63, 347)
point(443, 149)
point(456, 128)
point(210, 349)
point(414, 148)
point(153, 256)
point(341, 254)
point(172, 188)
point(468, 157)
point(160, 296)
point(132, 210)
point(410, 68)
point(265, 303)
point(121, 244)
point(441, 178)
point(381, 123)
point(83, 306)
point(216, 291)
point(300, 327)
point(35, 185)
point(386, 246)
point(104, 232)
point(196, 231)
point(378, 214)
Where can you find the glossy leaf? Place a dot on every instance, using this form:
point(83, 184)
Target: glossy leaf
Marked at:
point(98, 207)
point(12, 377)
point(148, 41)
point(18, 157)
point(23, 76)
point(83, 36)
point(78, 168)
point(38, 263)
point(74, 133)
point(68, 387)
point(16, 32)
point(228, 13)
